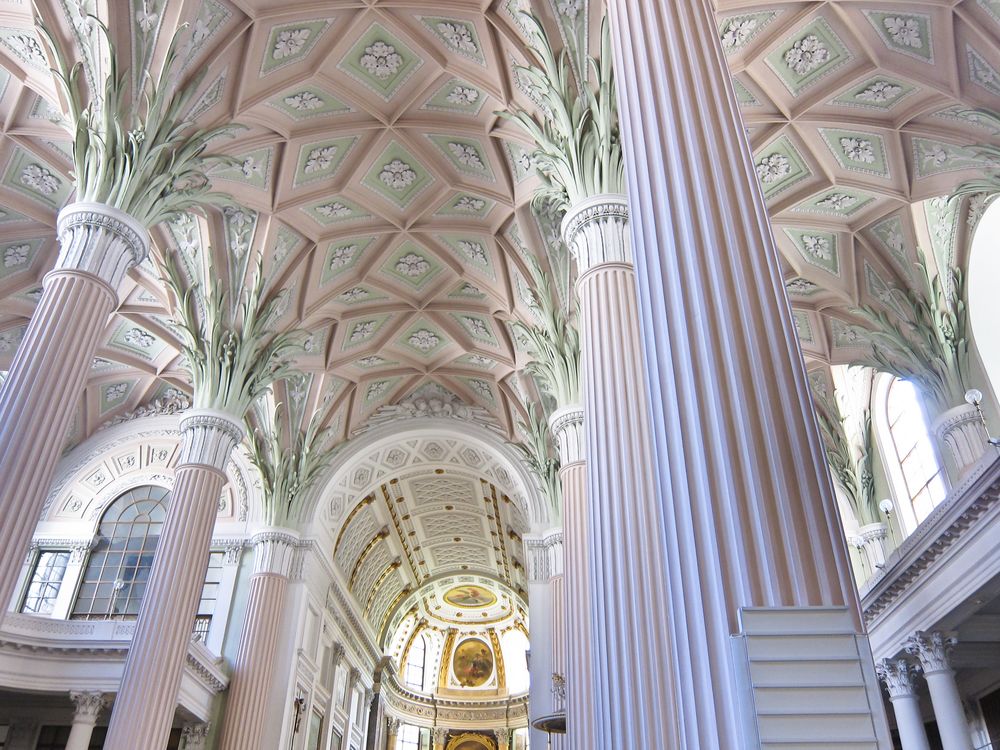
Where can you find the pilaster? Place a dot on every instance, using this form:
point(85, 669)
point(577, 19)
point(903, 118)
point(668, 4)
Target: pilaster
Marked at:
point(392, 732)
point(440, 736)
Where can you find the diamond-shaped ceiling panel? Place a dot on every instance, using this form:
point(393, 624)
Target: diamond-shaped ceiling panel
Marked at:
point(390, 200)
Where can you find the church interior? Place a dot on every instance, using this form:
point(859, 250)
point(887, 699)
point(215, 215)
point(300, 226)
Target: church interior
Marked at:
point(499, 374)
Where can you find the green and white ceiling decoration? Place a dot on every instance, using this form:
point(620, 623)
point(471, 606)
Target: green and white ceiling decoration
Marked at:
point(391, 203)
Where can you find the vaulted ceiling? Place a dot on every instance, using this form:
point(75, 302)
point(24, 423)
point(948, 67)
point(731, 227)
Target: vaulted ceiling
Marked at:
point(390, 201)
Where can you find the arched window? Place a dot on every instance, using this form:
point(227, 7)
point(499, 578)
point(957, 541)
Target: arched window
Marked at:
point(115, 580)
point(415, 671)
point(920, 479)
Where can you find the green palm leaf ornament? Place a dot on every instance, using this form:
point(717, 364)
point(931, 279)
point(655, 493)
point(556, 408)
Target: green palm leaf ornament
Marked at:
point(232, 353)
point(290, 462)
point(929, 345)
point(578, 151)
point(141, 154)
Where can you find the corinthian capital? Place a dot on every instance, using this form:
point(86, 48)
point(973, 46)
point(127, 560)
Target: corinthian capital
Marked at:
point(898, 675)
point(88, 705)
point(933, 650)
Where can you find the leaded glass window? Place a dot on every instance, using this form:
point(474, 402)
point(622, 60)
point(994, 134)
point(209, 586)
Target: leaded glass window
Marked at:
point(46, 579)
point(118, 569)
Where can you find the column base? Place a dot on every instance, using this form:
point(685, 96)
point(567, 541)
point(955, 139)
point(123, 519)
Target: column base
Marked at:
point(807, 681)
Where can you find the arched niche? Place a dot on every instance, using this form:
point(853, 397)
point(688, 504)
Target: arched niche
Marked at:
point(470, 741)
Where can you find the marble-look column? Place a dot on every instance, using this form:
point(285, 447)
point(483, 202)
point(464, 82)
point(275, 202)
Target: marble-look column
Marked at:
point(98, 245)
point(249, 688)
point(749, 517)
point(503, 738)
point(566, 426)
point(195, 736)
point(392, 732)
point(88, 706)
point(933, 651)
point(439, 735)
point(630, 704)
point(144, 707)
point(900, 678)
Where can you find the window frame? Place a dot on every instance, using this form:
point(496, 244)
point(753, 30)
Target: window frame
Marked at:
point(36, 559)
point(892, 461)
point(420, 638)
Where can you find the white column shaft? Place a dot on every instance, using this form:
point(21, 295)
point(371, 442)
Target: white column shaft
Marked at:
point(80, 734)
point(948, 711)
point(750, 514)
point(909, 723)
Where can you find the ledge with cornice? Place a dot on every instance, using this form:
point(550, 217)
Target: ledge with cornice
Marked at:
point(941, 564)
point(45, 654)
point(430, 711)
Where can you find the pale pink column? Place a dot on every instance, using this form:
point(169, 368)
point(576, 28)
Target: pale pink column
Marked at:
point(144, 707)
point(627, 696)
point(98, 244)
point(749, 511)
point(249, 688)
point(567, 431)
point(88, 707)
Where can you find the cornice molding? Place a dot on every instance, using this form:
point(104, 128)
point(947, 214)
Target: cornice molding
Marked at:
point(963, 510)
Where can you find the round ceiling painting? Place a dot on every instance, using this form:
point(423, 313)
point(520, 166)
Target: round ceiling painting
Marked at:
point(470, 597)
point(473, 663)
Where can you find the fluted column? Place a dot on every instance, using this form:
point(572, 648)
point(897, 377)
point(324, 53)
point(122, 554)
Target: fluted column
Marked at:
point(392, 732)
point(246, 707)
point(566, 426)
point(144, 708)
point(630, 703)
point(750, 518)
point(899, 677)
point(98, 244)
point(933, 651)
point(960, 430)
point(88, 707)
